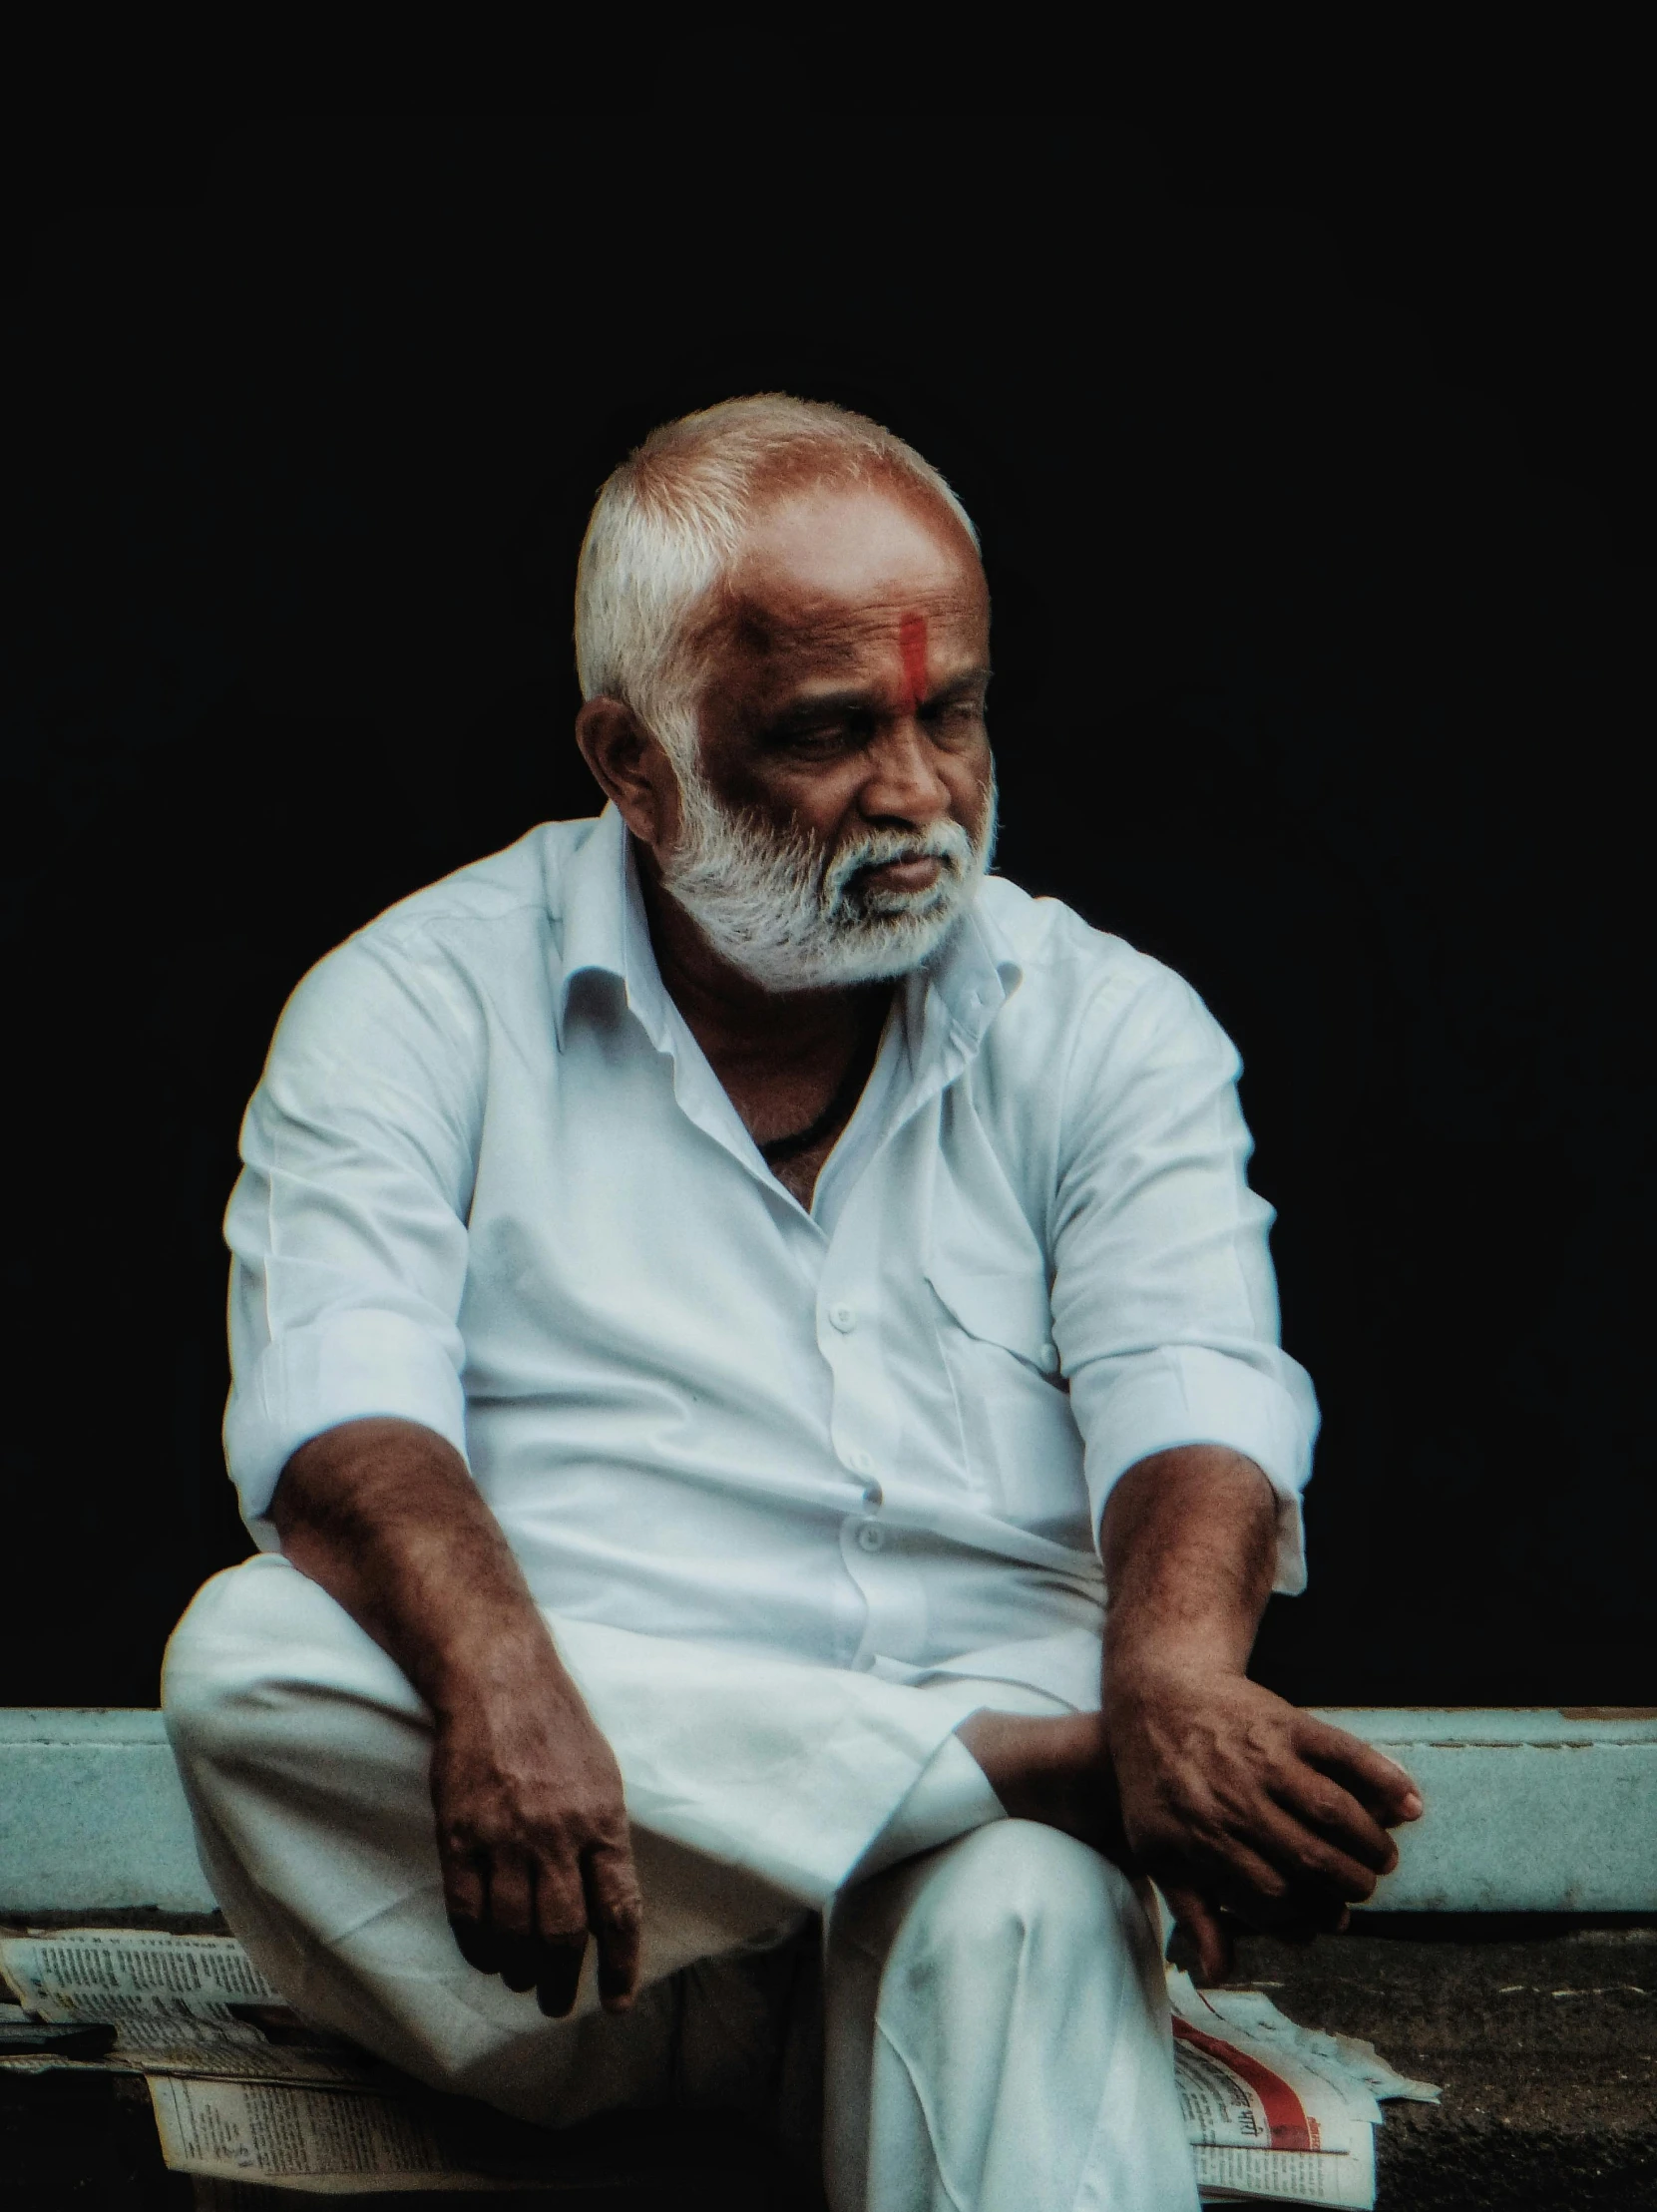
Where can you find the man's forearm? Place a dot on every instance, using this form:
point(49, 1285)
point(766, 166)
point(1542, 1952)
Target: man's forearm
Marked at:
point(530, 1823)
point(1190, 1540)
point(1188, 1543)
point(386, 1516)
point(1229, 1796)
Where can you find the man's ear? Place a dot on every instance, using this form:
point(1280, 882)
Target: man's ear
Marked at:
point(632, 769)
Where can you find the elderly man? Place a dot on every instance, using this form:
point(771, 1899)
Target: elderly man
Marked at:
point(722, 1293)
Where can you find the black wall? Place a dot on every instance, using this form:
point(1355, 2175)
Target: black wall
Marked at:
point(1316, 488)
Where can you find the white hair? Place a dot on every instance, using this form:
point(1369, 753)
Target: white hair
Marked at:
point(668, 523)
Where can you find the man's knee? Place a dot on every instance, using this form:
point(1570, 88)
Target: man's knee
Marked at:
point(266, 1658)
point(1022, 1883)
point(211, 1669)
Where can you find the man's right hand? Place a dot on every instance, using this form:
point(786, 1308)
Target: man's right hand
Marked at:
point(531, 1831)
point(532, 1834)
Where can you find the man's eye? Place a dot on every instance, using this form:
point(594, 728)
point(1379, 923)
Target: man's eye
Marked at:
point(814, 736)
point(954, 714)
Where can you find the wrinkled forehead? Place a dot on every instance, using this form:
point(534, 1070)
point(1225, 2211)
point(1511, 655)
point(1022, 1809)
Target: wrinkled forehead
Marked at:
point(825, 572)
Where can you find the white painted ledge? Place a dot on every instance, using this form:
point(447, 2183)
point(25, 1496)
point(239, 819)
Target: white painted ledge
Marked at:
point(1526, 1811)
point(91, 1813)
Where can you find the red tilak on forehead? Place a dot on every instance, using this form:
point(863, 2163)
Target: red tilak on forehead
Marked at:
point(912, 644)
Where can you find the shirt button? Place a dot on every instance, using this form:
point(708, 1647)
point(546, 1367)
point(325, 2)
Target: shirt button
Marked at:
point(858, 1460)
point(844, 1316)
point(871, 1538)
point(1048, 1359)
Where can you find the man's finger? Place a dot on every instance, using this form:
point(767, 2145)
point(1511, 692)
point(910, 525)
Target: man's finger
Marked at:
point(561, 1936)
point(1310, 1798)
point(1234, 1875)
point(1306, 1794)
point(465, 1899)
point(1376, 1781)
point(615, 1916)
point(1205, 1936)
point(1237, 1875)
point(560, 1977)
point(1307, 1860)
point(1240, 1878)
point(511, 1918)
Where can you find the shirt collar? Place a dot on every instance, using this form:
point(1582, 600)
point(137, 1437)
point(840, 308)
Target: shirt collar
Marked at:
point(605, 931)
point(948, 1005)
point(972, 976)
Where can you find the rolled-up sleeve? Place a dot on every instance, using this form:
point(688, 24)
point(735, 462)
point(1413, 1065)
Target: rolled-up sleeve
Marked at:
point(347, 1225)
point(1164, 1301)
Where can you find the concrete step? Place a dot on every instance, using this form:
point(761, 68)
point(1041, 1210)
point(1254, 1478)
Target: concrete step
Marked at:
point(1541, 2033)
point(1526, 1810)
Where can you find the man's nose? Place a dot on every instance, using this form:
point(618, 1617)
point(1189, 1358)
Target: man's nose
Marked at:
point(903, 783)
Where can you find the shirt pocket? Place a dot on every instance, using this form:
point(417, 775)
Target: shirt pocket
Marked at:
point(1006, 1307)
point(1022, 1451)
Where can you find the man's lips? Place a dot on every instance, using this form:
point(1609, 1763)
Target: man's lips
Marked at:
point(904, 875)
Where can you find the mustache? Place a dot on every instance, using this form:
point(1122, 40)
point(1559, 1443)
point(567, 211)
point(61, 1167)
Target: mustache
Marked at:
point(947, 842)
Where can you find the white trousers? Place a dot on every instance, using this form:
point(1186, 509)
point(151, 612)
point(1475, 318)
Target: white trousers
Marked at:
point(989, 2030)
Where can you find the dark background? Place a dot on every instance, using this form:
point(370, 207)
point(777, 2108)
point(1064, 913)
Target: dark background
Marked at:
point(1315, 472)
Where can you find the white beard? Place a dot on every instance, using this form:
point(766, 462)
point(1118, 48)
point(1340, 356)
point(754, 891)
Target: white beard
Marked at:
point(796, 919)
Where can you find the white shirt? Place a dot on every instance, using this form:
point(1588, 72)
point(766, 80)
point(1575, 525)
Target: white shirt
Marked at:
point(492, 1184)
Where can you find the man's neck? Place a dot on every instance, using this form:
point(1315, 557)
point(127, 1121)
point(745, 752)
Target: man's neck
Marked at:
point(740, 1024)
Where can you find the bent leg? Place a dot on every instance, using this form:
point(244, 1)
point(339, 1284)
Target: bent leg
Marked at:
point(997, 2037)
point(305, 1756)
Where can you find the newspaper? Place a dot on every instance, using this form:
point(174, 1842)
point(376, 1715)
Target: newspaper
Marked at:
point(1276, 2111)
point(1252, 2015)
point(180, 2005)
point(333, 2142)
point(1296, 2177)
point(1232, 2099)
point(1262, 2127)
point(246, 2095)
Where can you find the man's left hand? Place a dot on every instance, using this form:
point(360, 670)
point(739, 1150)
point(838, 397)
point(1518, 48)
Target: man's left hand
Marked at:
point(1231, 1797)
